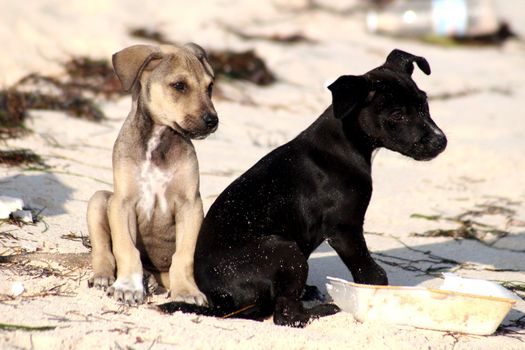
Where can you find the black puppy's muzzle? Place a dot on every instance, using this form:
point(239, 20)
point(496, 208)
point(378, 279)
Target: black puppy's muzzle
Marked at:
point(430, 146)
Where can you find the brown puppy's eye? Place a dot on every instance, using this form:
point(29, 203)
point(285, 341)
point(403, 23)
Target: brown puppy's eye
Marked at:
point(210, 89)
point(180, 86)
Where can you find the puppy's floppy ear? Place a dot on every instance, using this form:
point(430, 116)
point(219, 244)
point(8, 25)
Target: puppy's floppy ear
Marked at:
point(348, 91)
point(132, 61)
point(201, 55)
point(404, 62)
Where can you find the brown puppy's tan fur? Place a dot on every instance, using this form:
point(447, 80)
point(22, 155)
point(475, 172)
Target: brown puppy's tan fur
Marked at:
point(153, 217)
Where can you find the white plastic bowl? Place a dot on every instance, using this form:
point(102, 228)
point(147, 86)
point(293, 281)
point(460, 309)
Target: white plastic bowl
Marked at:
point(420, 307)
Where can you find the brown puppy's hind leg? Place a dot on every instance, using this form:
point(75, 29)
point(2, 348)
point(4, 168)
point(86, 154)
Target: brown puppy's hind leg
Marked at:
point(102, 257)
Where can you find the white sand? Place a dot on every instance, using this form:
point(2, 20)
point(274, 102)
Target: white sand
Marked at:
point(484, 164)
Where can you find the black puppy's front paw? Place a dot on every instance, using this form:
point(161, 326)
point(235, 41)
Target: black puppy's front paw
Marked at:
point(371, 274)
point(312, 293)
point(323, 310)
point(289, 312)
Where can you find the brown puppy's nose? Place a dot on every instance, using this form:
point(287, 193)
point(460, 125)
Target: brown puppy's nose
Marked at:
point(210, 119)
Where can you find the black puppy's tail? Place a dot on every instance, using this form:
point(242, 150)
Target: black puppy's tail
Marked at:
point(174, 306)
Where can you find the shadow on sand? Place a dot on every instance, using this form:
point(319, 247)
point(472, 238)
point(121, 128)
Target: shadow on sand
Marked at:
point(39, 191)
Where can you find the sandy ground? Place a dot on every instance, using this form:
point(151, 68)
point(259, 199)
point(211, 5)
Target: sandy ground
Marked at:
point(482, 170)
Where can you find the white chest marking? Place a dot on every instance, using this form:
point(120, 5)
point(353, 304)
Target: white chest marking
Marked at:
point(152, 180)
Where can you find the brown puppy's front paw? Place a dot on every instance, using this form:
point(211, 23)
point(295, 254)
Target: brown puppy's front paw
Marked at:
point(100, 282)
point(188, 294)
point(128, 290)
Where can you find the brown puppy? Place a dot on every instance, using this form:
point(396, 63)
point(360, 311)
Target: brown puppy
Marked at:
point(153, 217)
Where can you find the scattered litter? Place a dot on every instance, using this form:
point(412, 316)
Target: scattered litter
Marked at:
point(9, 205)
point(421, 307)
point(448, 23)
point(24, 216)
point(455, 283)
point(17, 288)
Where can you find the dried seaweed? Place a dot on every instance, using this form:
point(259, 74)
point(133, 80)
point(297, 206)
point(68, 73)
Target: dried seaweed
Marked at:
point(19, 327)
point(84, 76)
point(503, 91)
point(293, 38)
point(71, 236)
point(21, 156)
point(40, 265)
point(48, 93)
point(243, 65)
point(469, 228)
point(515, 286)
point(12, 114)
point(314, 6)
point(150, 34)
point(95, 75)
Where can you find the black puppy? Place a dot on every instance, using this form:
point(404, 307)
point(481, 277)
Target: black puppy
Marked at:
point(254, 243)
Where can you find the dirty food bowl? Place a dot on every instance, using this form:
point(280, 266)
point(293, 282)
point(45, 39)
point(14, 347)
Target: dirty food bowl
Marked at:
point(420, 307)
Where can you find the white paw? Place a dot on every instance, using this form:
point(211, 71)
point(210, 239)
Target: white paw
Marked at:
point(129, 290)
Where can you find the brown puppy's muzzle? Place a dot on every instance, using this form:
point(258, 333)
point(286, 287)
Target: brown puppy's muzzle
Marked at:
point(202, 126)
point(211, 120)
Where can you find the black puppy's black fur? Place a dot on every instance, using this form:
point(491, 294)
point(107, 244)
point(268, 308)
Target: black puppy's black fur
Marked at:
point(253, 247)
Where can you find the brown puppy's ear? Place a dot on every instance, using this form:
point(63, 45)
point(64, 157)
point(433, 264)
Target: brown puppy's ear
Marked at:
point(404, 62)
point(348, 91)
point(130, 62)
point(201, 55)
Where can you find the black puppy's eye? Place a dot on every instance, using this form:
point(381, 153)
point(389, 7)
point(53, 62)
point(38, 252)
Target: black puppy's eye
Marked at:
point(398, 115)
point(210, 89)
point(180, 86)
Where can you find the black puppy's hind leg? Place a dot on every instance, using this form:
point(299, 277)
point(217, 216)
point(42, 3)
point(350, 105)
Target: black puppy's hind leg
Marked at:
point(289, 282)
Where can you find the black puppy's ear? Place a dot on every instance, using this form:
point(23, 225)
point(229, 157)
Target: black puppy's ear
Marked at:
point(404, 62)
point(348, 91)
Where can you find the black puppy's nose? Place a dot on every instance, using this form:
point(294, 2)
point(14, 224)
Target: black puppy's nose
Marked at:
point(210, 119)
point(440, 142)
point(443, 141)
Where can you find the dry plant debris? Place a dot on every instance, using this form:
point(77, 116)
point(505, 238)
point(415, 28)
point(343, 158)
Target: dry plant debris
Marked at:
point(85, 78)
point(244, 65)
point(21, 156)
point(292, 38)
point(470, 225)
point(12, 114)
point(19, 327)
